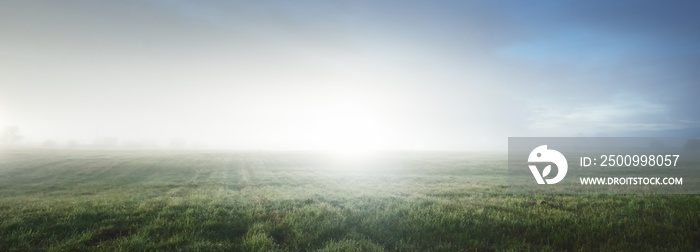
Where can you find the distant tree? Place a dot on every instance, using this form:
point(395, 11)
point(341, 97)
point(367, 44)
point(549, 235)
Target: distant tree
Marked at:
point(49, 144)
point(106, 142)
point(10, 135)
point(72, 144)
point(177, 143)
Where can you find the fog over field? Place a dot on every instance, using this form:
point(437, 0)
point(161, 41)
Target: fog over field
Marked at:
point(345, 75)
point(175, 125)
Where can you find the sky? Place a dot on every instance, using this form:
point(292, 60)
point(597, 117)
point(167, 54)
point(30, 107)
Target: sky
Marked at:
point(370, 75)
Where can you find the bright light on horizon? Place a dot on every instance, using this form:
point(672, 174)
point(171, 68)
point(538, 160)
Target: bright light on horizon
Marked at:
point(349, 127)
point(349, 77)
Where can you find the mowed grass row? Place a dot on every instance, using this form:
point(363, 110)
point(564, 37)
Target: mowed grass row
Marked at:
point(263, 201)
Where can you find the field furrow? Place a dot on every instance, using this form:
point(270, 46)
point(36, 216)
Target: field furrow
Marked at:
point(259, 201)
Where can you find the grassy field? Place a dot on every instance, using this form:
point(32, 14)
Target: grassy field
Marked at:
point(59, 200)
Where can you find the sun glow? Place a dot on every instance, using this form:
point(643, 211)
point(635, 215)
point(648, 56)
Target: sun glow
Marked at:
point(348, 131)
point(349, 127)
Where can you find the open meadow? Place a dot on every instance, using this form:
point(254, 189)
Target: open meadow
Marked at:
point(58, 200)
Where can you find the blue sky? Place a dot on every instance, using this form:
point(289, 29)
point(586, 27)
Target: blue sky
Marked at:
point(427, 75)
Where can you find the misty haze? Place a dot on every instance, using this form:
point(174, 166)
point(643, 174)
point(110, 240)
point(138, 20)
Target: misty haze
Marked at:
point(333, 125)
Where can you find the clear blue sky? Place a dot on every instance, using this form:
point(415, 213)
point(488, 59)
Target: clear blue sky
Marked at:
point(443, 75)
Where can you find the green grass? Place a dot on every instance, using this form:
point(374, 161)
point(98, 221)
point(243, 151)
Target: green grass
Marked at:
point(58, 200)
